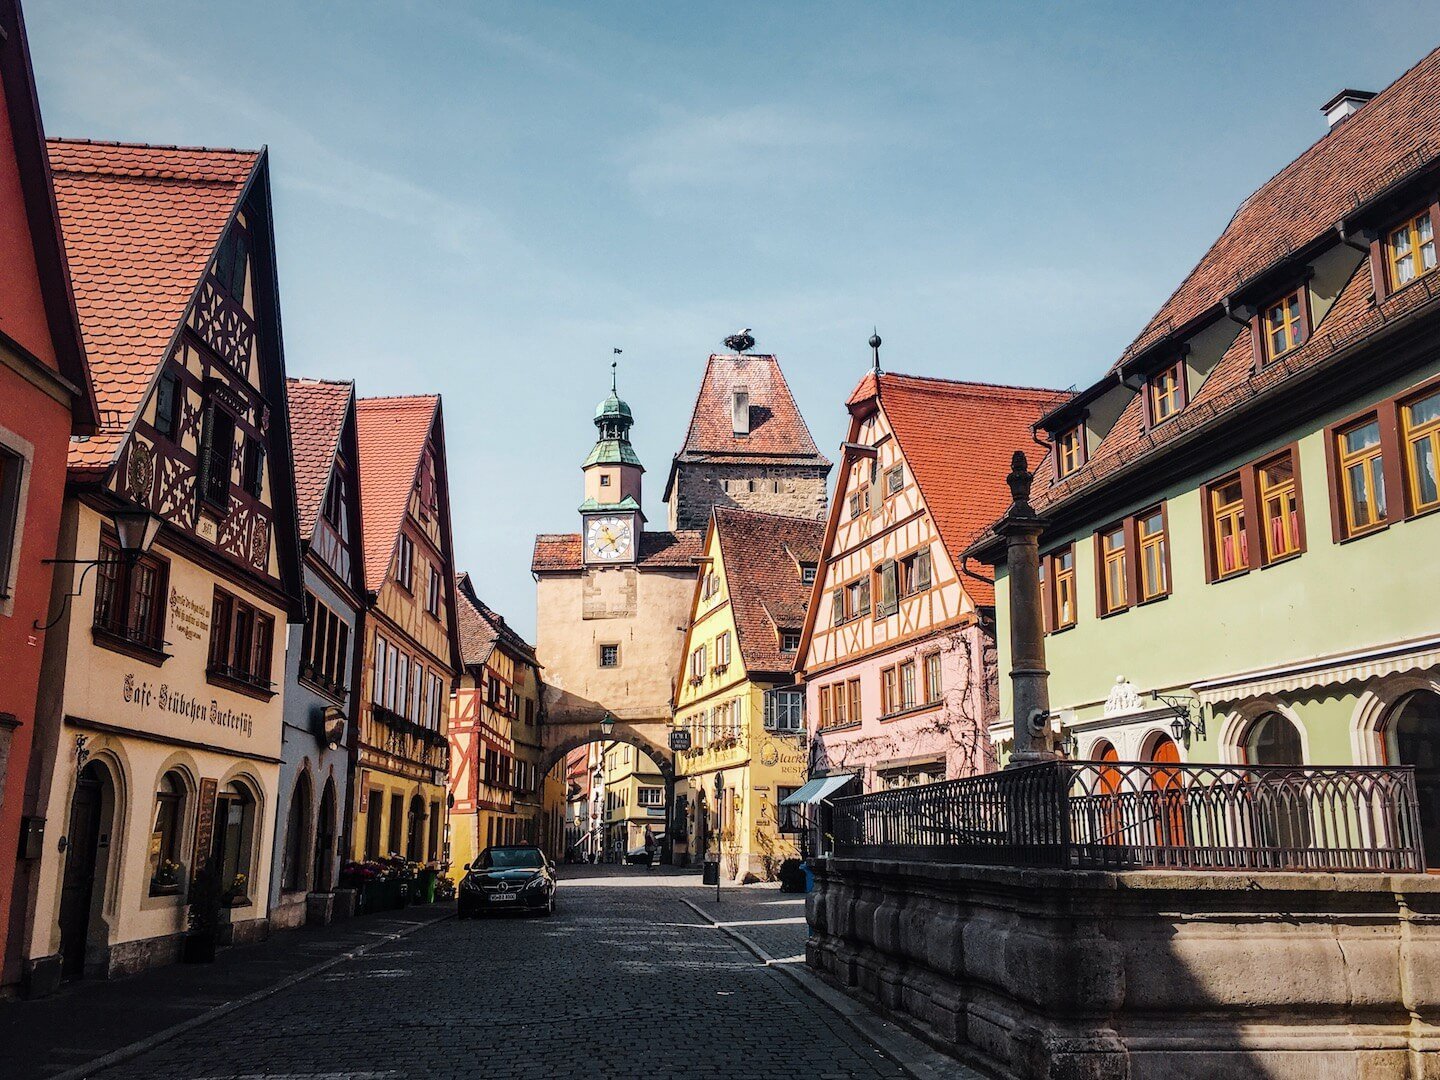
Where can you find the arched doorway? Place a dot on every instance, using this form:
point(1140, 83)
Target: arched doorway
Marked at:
point(234, 843)
point(1166, 784)
point(415, 836)
point(1109, 819)
point(297, 826)
point(323, 879)
point(1281, 809)
point(1415, 740)
point(92, 814)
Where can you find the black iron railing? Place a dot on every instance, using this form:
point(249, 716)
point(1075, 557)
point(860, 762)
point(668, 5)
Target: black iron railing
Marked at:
point(1144, 815)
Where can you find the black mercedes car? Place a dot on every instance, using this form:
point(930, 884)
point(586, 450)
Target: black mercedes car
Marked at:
point(512, 878)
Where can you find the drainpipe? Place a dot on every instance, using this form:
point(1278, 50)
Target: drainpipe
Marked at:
point(1021, 528)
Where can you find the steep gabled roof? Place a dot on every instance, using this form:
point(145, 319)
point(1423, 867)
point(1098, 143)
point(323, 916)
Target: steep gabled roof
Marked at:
point(482, 628)
point(777, 430)
point(1393, 135)
point(658, 550)
point(762, 554)
point(392, 433)
point(957, 439)
point(37, 279)
point(141, 225)
point(318, 408)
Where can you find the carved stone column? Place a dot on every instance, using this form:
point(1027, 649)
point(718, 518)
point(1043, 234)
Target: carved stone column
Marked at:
point(1029, 677)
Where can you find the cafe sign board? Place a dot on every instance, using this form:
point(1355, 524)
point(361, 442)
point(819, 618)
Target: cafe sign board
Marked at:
point(679, 739)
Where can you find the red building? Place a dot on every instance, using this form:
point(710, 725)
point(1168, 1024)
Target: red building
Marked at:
point(45, 395)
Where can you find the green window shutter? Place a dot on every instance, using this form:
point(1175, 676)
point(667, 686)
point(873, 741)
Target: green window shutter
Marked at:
point(837, 607)
point(889, 602)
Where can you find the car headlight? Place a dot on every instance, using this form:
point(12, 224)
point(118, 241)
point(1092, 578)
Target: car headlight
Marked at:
point(535, 883)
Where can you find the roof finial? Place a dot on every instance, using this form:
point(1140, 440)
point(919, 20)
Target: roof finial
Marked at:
point(875, 347)
point(613, 365)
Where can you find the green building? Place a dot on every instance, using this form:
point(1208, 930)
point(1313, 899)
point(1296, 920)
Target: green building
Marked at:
point(1241, 561)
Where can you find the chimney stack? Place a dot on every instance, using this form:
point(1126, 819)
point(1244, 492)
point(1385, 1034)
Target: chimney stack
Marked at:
point(740, 410)
point(1343, 104)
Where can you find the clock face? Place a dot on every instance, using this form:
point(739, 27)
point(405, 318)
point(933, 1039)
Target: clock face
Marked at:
point(609, 538)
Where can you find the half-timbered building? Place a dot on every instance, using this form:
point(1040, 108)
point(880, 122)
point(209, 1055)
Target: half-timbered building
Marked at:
point(897, 654)
point(412, 647)
point(45, 394)
point(495, 754)
point(160, 741)
point(321, 667)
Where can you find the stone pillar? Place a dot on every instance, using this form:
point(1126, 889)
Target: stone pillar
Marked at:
point(1029, 677)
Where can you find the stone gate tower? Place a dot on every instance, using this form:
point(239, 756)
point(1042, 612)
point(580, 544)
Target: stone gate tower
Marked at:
point(747, 446)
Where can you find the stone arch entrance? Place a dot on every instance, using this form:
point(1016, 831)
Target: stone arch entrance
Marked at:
point(650, 739)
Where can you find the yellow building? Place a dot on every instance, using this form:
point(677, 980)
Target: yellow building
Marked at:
point(735, 694)
point(412, 650)
point(495, 782)
point(633, 794)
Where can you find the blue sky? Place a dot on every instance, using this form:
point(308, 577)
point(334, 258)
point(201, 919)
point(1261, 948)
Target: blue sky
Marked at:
point(484, 200)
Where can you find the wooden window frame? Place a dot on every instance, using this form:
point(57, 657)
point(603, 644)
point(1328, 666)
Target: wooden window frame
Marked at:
point(241, 654)
point(1126, 552)
point(1381, 268)
point(167, 414)
point(405, 564)
point(252, 467)
point(889, 690)
point(1065, 461)
point(1430, 432)
point(1260, 327)
point(852, 688)
point(432, 593)
point(143, 638)
point(1051, 598)
point(212, 493)
point(906, 567)
point(894, 480)
point(1140, 543)
point(1181, 393)
point(1245, 476)
point(1267, 558)
point(934, 687)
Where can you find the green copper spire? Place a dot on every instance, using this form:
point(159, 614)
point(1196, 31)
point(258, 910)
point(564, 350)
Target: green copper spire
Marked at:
point(613, 420)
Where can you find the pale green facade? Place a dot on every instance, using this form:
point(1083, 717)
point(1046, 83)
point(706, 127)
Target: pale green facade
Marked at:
point(1331, 638)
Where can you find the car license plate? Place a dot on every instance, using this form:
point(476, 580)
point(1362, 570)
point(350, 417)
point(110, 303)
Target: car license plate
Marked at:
point(498, 896)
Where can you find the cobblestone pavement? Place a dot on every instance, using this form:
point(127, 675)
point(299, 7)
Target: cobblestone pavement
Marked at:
point(624, 980)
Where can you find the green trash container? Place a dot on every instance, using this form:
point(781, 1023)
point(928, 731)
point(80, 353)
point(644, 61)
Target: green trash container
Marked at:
point(425, 886)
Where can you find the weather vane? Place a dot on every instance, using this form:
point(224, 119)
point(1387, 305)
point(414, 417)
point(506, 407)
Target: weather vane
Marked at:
point(875, 347)
point(613, 365)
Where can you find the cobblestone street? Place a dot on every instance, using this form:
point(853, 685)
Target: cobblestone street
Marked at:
point(626, 979)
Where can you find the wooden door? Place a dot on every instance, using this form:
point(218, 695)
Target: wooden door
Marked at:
point(77, 890)
point(1169, 796)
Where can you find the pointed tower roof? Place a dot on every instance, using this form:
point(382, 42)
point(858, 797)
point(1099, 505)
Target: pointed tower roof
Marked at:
point(777, 432)
point(613, 420)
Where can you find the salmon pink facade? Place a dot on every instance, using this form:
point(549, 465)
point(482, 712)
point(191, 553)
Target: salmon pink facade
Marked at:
point(898, 652)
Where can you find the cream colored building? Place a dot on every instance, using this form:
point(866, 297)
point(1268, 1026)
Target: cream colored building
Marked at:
point(634, 801)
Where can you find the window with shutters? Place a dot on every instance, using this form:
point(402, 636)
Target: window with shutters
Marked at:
point(218, 444)
point(915, 572)
point(405, 564)
point(697, 665)
point(168, 395)
point(887, 586)
point(324, 648)
point(785, 710)
point(432, 595)
point(130, 598)
point(894, 480)
point(252, 474)
point(837, 607)
point(722, 651)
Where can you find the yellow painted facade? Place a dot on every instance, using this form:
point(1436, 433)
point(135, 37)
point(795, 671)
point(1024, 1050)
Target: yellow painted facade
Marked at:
point(723, 709)
point(634, 799)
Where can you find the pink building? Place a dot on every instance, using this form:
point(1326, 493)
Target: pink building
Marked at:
point(898, 654)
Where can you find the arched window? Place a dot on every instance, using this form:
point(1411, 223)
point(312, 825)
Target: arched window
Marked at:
point(1274, 740)
point(167, 875)
point(296, 826)
point(234, 840)
point(1415, 731)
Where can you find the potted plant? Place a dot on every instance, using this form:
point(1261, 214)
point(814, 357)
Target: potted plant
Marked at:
point(235, 894)
point(204, 917)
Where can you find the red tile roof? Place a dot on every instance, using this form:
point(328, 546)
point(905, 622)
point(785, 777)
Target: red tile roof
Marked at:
point(777, 430)
point(391, 434)
point(957, 439)
point(658, 550)
point(1391, 136)
point(481, 627)
point(140, 225)
point(762, 555)
point(317, 416)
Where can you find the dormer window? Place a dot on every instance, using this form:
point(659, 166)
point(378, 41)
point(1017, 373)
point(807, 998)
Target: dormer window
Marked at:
point(807, 573)
point(1166, 392)
point(1070, 450)
point(1284, 324)
point(1410, 250)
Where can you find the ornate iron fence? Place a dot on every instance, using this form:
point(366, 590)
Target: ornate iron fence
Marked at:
point(1146, 815)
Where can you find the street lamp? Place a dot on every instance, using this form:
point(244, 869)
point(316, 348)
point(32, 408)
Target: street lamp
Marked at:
point(607, 725)
point(135, 530)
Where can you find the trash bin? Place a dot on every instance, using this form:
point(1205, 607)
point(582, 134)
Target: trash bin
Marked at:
point(425, 886)
point(711, 874)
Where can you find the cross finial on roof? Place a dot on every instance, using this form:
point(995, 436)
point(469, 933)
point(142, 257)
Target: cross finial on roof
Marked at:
point(875, 347)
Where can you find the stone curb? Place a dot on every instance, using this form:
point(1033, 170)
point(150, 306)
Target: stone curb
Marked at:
point(913, 1055)
point(142, 1046)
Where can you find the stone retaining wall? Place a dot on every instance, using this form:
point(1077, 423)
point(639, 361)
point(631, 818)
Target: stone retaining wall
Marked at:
point(1153, 975)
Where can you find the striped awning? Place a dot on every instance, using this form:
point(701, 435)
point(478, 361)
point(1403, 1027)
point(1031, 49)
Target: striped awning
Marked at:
point(1322, 671)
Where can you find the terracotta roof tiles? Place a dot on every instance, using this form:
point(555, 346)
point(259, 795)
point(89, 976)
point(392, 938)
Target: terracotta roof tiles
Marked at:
point(317, 416)
point(481, 627)
point(140, 225)
point(658, 550)
point(957, 439)
point(761, 554)
point(391, 433)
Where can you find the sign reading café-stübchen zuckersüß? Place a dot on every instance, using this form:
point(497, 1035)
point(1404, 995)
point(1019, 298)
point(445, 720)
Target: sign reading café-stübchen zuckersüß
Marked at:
point(164, 698)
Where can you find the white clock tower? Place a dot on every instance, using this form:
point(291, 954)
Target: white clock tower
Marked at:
point(611, 518)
